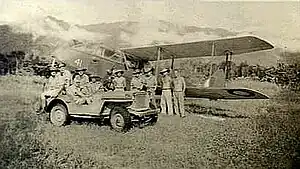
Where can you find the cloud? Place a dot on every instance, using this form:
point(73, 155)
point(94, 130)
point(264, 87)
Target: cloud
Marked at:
point(278, 22)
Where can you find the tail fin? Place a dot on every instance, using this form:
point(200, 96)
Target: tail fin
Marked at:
point(216, 80)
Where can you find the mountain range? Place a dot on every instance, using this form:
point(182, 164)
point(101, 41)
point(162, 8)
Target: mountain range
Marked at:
point(50, 33)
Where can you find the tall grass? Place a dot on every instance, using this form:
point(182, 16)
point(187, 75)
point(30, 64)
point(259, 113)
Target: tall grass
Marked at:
point(267, 138)
point(21, 129)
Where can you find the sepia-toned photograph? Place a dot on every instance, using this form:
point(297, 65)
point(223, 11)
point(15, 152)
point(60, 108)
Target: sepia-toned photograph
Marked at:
point(149, 84)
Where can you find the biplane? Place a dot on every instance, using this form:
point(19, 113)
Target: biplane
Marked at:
point(98, 59)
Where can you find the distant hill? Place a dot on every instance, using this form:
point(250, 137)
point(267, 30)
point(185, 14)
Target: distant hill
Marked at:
point(50, 33)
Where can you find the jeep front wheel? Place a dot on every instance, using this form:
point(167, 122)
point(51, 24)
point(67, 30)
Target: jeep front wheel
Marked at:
point(58, 115)
point(120, 119)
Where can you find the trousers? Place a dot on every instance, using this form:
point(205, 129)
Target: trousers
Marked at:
point(166, 102)
point(179, 103)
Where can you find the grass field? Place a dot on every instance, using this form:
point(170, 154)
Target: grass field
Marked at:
point(247, 134)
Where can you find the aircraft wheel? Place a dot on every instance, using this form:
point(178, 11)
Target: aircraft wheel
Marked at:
point(58, 115)
point(120, 119)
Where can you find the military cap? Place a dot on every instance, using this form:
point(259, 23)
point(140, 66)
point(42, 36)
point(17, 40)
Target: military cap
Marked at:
point(164, 70)
point(61, 65)
point(81, 69)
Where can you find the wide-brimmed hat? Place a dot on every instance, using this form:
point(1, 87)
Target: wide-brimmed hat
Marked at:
point(61, 65)
point(53, 69)
point(164, 70)
point(81, 69)
point(95, 77)
point(136, 71)
point(119, 70)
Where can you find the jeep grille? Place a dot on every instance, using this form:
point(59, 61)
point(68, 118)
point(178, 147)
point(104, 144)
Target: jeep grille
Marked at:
point(141, 100)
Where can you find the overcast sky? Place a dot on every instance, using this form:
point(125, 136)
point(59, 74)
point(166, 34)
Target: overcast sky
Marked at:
point(278, 22)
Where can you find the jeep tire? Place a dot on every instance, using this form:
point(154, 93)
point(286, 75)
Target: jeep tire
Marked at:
point(120, 119)
point(58, 115)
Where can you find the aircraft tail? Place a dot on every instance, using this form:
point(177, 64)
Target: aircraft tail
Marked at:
point(216, 80)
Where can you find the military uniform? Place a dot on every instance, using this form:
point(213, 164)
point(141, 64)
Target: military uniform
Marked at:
point(74, 92)
point(136, 81)
point(178, 91)
point(82, 81)
point(119, 82)
point(52, 88)
point(166, 97)
point(65, 74)
point(108, 81)
point(67, 77)
point(151, 84)
point(95, 86)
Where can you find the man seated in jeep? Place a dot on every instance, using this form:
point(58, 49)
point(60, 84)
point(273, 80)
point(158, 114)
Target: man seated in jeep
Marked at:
point(82, 80)
point(119, 81)
point(95, 84)
point(76, 95)
point(108, 81)
point(137, 83)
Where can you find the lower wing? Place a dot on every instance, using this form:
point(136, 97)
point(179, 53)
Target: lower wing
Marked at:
point(220, 93)
point(224, 93)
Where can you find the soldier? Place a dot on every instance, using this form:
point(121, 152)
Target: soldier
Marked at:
point(52, 88)
point(119, 81)
point(83, 80)
point(108, 81)
point(178, 92)
point(136, 82)
point(65, 74)
point(74, 92)
point(166, 97)
point(151, 84)
point(95, 84)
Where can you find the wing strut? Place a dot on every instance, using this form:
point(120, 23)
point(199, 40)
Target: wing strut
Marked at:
point(157, 62)
point(212, 55)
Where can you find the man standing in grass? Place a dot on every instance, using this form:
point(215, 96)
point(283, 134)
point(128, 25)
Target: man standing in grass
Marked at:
point(166, 97)
point(151, 84)
point(178, 92)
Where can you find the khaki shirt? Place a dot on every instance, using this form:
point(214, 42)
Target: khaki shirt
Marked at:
point(83, 80)
point(74, 91)
point(119, 82)
point(166, 82)
point(179, 84)
point(151, 82)
point(54, 83)
point(67, 75)
point(95, 87)
point(136, 83)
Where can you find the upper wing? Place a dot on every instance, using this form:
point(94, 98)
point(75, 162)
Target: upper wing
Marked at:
point(237, 45)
